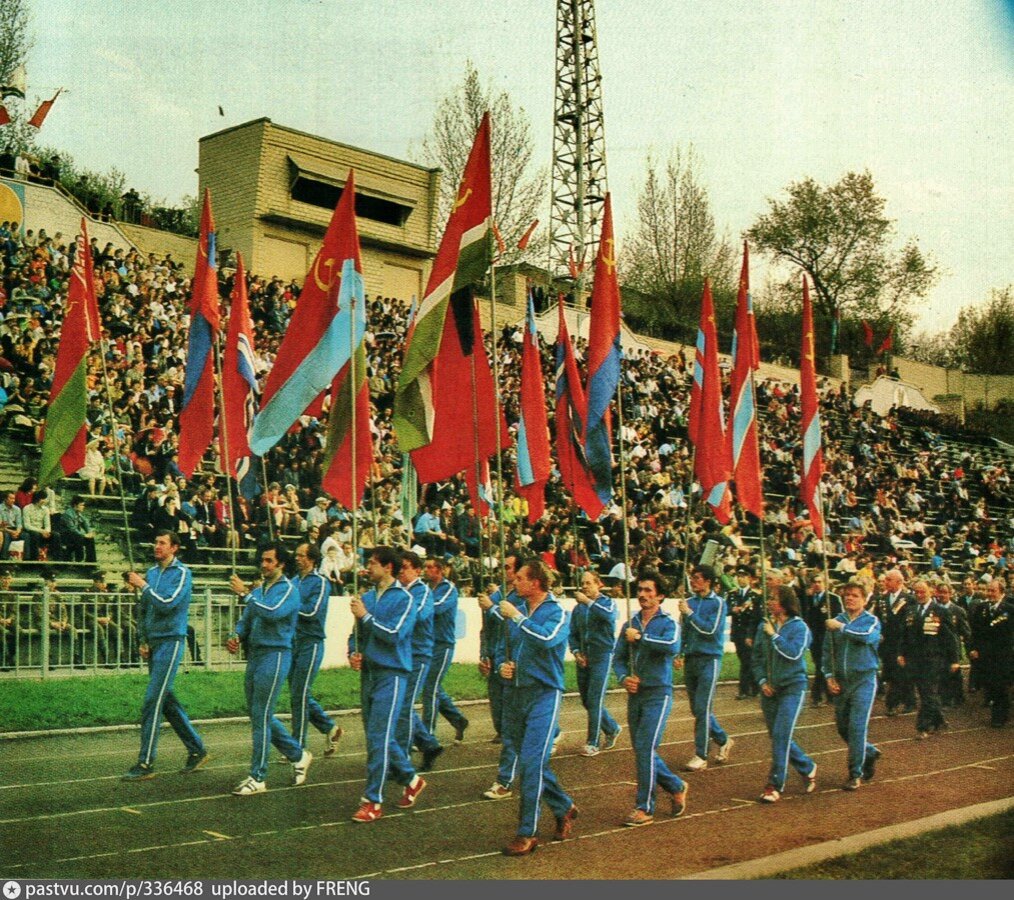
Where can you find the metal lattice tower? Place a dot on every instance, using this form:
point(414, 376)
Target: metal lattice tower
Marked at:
point(579, 184)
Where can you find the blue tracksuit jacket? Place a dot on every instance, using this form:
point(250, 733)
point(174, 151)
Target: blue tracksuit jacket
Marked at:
point(166, 601)
point(704, 628)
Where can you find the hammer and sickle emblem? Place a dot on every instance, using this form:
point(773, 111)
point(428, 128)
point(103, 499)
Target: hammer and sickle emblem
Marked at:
point(333, 275)
point(609, 261)
point(462, 200)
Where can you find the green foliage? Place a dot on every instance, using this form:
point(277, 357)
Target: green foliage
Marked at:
point(983, 336)
point(15, 42)
point(978, 849)
point(839, 235)
point(674, 245)
point(518, 190)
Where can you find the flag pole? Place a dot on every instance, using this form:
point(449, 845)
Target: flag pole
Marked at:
point(496, 416)
point(685, 578)
point(353, 438)
point(271, 516)
point(623, 502)
point(223, 418)
point(116, 446)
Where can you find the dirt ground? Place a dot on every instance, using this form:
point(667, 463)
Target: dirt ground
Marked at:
point(65, 813)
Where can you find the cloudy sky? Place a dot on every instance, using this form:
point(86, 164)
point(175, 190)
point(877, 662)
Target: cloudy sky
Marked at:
point(920, 93)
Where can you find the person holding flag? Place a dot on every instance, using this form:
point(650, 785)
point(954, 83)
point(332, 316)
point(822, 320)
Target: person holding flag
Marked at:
point(644, 654)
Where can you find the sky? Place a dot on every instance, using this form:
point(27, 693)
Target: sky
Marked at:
point(919, 93)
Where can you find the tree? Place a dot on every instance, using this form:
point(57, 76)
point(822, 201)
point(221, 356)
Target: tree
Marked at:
point(983, 336)
point(841, 238)
point(673, 247)
point(518, 191)
point(15, 42)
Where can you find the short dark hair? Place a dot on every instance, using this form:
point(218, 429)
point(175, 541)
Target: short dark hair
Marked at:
point(661, 585)
point(312, 551)
point(412, 558)
point(386, 556)
point(281, 551)
point(706, 572)
point(174, 538)
point(76, 499)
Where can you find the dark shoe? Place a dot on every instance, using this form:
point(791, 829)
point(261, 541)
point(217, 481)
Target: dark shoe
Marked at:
point(429, 757)
point(194, 762)
point(565, 824)
point(742, 696)
point(459, 731)
point(521, 846)
point(909, 708)
point(679, 802)
point(870, 765)
point(140, 772)
point(851, 785)
point(891, 712)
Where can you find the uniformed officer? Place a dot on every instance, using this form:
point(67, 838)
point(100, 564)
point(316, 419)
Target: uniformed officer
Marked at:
point(992, 632)
point(746, 610)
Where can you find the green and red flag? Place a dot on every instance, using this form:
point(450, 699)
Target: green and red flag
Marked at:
point(444, 424)
point(66, 428)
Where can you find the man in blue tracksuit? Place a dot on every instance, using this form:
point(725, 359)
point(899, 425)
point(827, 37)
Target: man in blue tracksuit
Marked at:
point(435, 699)
point(780, 670)
point(850, 663)
point(380, 648)
point(164, 604)
point(537, 632)
point(592, 638)
point(308, 650)
point(703, 646)
point(492, 634)
point(266, 631)
point(643, 659)
point(411, 729)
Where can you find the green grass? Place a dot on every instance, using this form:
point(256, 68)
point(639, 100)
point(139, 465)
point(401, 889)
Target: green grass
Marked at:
point(37, 704)
point(983, 848)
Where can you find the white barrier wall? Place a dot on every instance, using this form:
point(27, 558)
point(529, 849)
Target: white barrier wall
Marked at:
point(339, 627)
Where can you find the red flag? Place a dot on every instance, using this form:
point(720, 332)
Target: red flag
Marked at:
point(712, 462)
point(533, 465)
point(867, 333)
point(66, 428)
point(888, 341)
point(5, 117)
point(813, 454)
point(744, 448)
point(39, 116)
point(197, 411)
point(568, 420)
point(239, 378)
point(527, 236)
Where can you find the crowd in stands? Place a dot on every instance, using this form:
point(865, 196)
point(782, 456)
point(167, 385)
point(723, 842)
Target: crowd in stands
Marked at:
point(892, 496)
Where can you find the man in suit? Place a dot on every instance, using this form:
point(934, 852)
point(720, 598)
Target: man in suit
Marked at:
point(992, 625)
point(892, 610)
point(928, 648)
point(746, 609)
point(952, 689)
point(967, 600)
point(819, 606)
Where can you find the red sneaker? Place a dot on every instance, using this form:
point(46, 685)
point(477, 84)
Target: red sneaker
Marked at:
point(565, 824)
point(412, 792)
point(367, 812)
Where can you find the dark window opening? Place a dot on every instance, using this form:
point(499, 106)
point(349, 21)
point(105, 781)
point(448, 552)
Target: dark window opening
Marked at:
point(326, 196)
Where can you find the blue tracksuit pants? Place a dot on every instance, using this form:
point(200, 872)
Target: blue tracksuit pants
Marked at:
point(266, 671)
point(530, 723)
point(160, 700)
point(592, 681)
point(306, 659)
point(435, 699)
point(701, 674)
point(780, 714)
point(411, 729)
point(383, 694)
point(495, 689)
point(647, 713)
point(852, 708)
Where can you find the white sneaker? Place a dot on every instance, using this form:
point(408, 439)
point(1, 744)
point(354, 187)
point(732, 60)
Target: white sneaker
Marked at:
point(552, 750)
point(725, 750)
point(299, 769)
point(810, 780)
point(497, 792)
point(589, 750)
point(248, 786)
point(695, 764)
point(610, 739)
point(331, 740)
